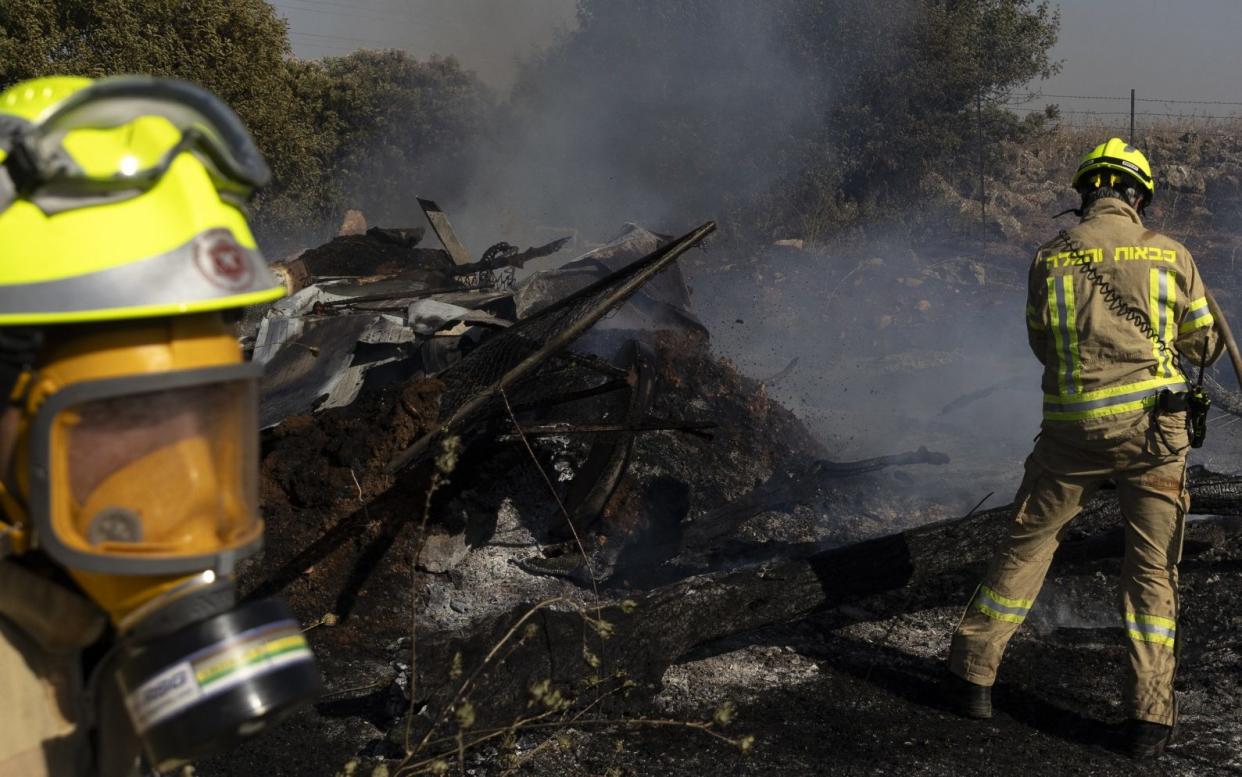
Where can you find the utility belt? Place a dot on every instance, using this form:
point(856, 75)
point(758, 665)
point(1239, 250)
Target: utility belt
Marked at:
point(1194, 404)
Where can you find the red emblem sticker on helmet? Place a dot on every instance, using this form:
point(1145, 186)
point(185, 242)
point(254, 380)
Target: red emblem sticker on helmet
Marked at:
point(222, 260)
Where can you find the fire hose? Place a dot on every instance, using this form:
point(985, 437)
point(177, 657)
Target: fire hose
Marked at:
point(1222, 324)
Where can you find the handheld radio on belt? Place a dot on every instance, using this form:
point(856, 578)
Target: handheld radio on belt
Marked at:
point(1198, 403)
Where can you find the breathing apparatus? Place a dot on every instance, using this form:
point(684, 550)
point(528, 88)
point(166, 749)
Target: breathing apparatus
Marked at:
point(129, 447)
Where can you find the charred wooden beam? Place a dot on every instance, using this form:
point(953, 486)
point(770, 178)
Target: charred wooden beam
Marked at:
point(544, 403)
point(520, 352)
point(554, 430)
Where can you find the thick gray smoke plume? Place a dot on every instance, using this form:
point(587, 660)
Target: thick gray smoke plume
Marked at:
point(667, 113)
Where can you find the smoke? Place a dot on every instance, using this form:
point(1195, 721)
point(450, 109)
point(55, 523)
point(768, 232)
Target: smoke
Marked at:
point(666, 114)
point(1062, 606)
point(898, 345)
point(493, 37)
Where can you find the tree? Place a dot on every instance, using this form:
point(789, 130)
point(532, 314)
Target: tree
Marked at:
point(238, 49)
point(913, 111)
point(406, 127)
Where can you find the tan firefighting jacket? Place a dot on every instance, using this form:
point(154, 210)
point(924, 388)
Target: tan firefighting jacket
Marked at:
point(43, 630)
point(1100, 369)
point(54, 720)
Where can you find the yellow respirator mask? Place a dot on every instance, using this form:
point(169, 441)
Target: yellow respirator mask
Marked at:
point(135, 470)
point(140, 444)
point(153, 473)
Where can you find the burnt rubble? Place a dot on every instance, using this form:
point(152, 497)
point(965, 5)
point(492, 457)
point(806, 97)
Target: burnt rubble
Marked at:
point(551, 489)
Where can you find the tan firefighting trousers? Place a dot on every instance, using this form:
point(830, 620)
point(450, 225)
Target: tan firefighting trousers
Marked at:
point(1148, 463)
point(43, 629)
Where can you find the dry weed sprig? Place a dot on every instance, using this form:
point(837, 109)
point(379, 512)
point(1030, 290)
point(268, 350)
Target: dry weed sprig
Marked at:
point(482, 736)
point(445, 464)
point(553, 700)
point(602, 628)
point(706, 726)
point(469, 681)
point(530, 754)
point(439, 762)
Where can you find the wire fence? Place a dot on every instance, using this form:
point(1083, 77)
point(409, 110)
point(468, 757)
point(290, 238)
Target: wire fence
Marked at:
point(1147, 115)
point(1146, 119)
point(1028, 97)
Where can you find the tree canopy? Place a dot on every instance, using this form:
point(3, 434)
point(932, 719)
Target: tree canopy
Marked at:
point(324, 128)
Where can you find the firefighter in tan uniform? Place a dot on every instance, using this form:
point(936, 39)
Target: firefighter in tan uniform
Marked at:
point(128, 444)
point(1111, 308)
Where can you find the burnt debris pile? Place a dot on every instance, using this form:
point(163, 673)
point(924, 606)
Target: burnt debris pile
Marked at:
point(449, 441)
point(542, 495)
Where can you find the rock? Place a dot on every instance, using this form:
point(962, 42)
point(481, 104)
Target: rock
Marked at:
point(354, 223)
point(1184, 179)
point(442, 551)
point(1223, 189)
point(1200, 214)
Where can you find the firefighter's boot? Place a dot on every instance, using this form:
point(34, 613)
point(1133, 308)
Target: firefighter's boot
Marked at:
point(1142, 739)
point(970, 700)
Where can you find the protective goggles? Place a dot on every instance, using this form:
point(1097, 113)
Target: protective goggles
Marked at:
point(151, 474)
point(118, 137)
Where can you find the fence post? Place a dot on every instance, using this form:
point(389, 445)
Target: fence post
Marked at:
point(983, 202)
point(1131, 138)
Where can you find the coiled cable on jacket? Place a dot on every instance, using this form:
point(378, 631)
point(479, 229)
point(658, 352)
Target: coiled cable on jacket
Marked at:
point(1112, 297)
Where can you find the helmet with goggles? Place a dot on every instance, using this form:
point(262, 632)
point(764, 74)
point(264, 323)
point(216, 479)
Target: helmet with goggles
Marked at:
point(123, 198)
point(129, 446)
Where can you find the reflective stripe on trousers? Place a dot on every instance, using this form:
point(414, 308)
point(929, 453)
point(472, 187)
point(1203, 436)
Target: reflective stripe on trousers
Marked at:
point(1001, 608)
point(1152, 628)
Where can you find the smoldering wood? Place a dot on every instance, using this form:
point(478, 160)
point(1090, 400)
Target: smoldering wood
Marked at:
point(606, 464)
point(571, 396)
point(787, 488)
point(933, 565)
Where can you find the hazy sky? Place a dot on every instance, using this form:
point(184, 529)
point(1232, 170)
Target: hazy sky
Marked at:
point(487, 36)
point(1163, 50)
point(1185, 50)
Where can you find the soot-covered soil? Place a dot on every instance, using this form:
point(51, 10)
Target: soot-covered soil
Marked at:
point(853, 690)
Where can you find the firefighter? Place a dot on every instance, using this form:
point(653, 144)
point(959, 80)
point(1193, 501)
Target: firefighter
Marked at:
point(1111, 308)
point(128, 444)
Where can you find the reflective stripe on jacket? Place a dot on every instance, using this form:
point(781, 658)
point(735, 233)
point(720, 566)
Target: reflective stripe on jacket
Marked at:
point(1098, 364)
